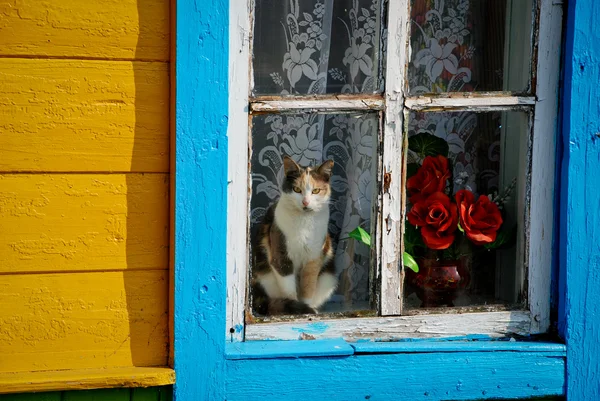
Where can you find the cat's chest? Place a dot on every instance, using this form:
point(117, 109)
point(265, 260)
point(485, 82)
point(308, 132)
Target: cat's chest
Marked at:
point(304, 237)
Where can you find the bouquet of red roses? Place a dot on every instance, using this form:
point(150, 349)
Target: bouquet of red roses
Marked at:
point(439, 221)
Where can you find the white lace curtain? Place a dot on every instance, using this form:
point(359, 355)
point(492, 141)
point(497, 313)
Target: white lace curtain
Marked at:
point(318, 47)
point(337, 46)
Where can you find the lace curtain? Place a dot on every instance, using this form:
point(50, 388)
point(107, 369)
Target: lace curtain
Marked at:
point(318, 47)
point(324, 46)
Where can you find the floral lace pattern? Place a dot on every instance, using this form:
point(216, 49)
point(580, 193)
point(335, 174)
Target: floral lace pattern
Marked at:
point(348, 140)
point(325, 46)
point(310, 64)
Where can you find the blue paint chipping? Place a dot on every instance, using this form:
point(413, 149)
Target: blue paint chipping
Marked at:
point(312, 328)
point(580, 202)
point(201, 104)
point(410, 377)
point(288, 349)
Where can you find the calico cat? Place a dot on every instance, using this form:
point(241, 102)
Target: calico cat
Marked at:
point(293, 270)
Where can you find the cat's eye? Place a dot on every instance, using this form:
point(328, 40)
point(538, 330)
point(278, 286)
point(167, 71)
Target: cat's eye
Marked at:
point(316, 190)
point(297, 190)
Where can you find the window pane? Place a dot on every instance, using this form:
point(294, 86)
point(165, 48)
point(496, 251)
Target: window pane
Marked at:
point(317, 47)
point(350, 140)
point(470, 45)
point(470, 249)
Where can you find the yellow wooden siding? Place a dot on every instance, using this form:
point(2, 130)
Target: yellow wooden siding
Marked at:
point(70, 115)
point(84, 193)
point(78, 222)
point(106, 29)
point(83, 320)
point(18, 382)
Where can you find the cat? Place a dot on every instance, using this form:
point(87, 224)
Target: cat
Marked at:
point(293, 271)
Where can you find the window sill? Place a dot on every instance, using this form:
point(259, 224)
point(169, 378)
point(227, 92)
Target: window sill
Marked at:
point(85, 379)
point(417, 370)
point(338, 347)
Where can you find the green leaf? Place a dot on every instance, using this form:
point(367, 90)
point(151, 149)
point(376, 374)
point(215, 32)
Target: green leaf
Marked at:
point(504, 239)
point(412, 238)
point(425, 144)
point(411, 169)
point(361, 235)
point(410, 262)
point(462, 230)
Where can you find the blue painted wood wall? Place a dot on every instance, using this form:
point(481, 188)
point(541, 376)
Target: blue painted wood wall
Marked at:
point(204, 372)
point(580, 202)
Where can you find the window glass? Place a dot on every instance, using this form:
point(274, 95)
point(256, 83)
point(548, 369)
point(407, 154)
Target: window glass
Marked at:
point(466, 179)
point(350, 141)
point(318, 47)
point(470, 45)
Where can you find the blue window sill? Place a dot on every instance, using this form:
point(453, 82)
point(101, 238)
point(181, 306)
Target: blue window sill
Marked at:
point(339, 347)
point(412, 370)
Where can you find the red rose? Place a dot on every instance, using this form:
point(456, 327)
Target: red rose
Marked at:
point(431, 177)
point(438, 219)
point(480, 220)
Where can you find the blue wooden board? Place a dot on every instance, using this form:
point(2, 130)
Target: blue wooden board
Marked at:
point(553, 349)
point(410, 377)
point(201, 81)
point(580, 202)
point(288, 349)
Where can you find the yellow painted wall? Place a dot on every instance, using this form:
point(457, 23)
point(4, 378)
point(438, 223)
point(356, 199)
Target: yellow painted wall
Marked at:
point(84, 184)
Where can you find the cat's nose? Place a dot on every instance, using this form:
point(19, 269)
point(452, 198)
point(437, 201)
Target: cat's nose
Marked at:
point(305, 202)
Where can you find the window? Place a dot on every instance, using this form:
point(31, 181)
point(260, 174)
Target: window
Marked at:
point(385, 89)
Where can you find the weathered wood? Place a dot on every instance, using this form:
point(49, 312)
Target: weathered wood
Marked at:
point(543, 166)
point(238, 177)
point(371, 347)
point(412, 376)
point(580, 199)
point(83, 320)
point(88, 379)
point(287, 349)
point(106, 29)
point(329, 104)
point(75, 222)
point(62, 115)
point(474, 103)
point(200, 225)
point(491, 324)
point(391, 208)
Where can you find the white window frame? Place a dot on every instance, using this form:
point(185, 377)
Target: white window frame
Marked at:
point(396, 104)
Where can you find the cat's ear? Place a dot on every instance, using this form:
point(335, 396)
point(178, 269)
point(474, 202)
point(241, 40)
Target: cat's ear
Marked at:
point(325, 169)
point(290, 166)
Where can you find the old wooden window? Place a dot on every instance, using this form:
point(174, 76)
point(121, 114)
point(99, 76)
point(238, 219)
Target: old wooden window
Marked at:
point(378, 87)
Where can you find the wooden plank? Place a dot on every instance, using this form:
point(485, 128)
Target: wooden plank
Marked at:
point(491, 324)
point(579, 238)
point(287, 349)
point(391, 202)
point(201, 198)
point(107, 29)
point(542, 213)
point(369, 347)
point(83, 320)
point(237, 169)
point(474, 103)
point(414, 377)
point(330, 104)
point(11, 383)
point(75, 222)
point(65, 115)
